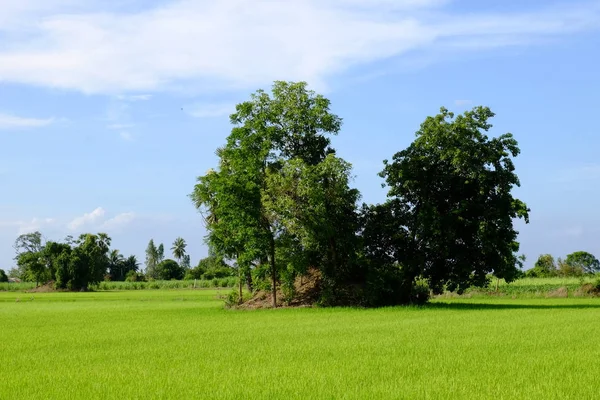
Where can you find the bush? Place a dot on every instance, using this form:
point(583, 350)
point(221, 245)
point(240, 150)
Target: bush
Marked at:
point(3, 276)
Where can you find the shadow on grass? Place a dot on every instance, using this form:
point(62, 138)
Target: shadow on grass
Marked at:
point(507, 306)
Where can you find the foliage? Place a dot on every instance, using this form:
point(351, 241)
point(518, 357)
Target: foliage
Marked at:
point(85, 264)
point(169, 269)
point(152, 258)
point(451, 205)
point(178, 249)
point(583, 260)
point(120, 267)
point(3, 276)
point(160, 253)
point(209, 268)
point(544, 267)
point(246, 220)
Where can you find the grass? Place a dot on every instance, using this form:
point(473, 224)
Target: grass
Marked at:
point(227, 282)
point(182, 344)
point(534, 287)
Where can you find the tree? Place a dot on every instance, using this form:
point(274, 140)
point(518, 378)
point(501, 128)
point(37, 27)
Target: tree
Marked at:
point(588, 263)
point(178, 248)
point(33, 267)
point(116, 266)
point(152, 257)
point(3, 276)
point(314, 210)
point(169, 269)
point(84, 264)
point(29, 243)
point(451, 202)
point(130, 264)
point(545, 266)
point(291, 123)
point(160, 253)
point(26, 246)
point(186, 262)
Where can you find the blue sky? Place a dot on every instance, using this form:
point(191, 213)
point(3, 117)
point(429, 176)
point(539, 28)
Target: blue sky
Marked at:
point(109, 110)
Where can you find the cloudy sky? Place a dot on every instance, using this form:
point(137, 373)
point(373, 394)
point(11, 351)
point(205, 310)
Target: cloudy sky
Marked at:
point(110, 109)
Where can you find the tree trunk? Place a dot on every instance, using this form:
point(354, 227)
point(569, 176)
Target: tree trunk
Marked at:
point(273, 273)
point(241, 293)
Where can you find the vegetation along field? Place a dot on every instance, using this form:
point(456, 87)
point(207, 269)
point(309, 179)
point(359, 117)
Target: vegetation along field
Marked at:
point(153, 344)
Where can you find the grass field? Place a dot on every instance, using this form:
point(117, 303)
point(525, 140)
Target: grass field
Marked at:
point(182, 344)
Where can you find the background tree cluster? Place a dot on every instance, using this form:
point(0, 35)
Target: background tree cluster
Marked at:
point(578, 263)
point(279, 204)
point(157, 267)
point(73, 264)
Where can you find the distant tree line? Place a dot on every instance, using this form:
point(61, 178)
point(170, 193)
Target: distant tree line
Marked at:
point(578, 263)
point(279, 206)
point(77, 263)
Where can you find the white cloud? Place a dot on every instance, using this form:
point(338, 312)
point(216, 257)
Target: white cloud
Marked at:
point(8, 121)
point(210, 110)
point(96, 220)
point(118, 221)
point(87, 219)
point(208, 45)
point(135, 97)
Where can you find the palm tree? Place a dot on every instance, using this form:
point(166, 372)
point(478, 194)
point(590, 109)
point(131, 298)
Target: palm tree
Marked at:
point(130, 264)
point(178, 248)
point(115, 265)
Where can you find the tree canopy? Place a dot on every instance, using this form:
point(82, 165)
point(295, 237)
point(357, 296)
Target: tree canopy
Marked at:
point(280, 197)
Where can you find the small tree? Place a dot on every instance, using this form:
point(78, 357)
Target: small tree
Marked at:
point(545, 266)
point(3, 276)
point(169, 269)
point(587, 262)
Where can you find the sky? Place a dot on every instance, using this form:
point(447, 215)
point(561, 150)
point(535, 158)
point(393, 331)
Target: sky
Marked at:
point(109, 110)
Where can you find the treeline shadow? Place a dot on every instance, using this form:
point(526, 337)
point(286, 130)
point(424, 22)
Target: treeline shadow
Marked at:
point(507, 306)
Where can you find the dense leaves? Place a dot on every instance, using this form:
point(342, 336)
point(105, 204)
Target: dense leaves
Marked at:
point(280, 196)
point(452, 188)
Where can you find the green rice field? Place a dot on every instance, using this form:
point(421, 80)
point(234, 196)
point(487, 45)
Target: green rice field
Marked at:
point(182, 344)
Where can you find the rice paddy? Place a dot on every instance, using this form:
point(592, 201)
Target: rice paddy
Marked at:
point(182, 344)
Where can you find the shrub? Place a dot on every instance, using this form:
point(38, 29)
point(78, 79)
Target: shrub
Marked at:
point(3, 276)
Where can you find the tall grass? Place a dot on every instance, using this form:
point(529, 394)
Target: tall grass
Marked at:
point(535, 287)
point(16, 287)
point(228, 282)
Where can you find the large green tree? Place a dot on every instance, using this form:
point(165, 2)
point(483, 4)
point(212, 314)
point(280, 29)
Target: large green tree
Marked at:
point(451, 203)
point(292, 122)
point(84, 264)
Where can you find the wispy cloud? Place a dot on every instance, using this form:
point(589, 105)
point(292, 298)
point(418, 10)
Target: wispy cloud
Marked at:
point(201, 45)
point(135, 97)
point(97, 220)
point(199, 110)
point(8, 121)
point(118, 221)
point(87, 219)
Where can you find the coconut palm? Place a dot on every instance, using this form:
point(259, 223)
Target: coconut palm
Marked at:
point(178, 248)
point(115, 265)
